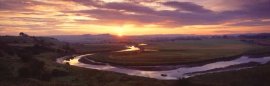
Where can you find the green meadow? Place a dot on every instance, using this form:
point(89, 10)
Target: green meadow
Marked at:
point(34, 63)
point(178, 52)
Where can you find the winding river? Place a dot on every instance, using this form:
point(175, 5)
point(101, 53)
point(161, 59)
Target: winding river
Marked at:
point(183, 71)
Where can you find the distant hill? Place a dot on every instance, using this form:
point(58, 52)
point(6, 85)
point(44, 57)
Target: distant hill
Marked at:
point(20, 39)
point(108, 38)
point(258, 36)
point(86, 38)
point(23, 57)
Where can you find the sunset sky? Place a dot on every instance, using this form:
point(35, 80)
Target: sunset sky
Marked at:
point(134, 17)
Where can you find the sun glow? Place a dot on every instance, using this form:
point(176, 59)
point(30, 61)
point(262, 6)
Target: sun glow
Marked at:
point(119, 31)
point(120, 34)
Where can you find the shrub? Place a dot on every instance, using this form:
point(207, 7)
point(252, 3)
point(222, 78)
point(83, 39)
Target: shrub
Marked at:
point(25, 57)
point(59, 73)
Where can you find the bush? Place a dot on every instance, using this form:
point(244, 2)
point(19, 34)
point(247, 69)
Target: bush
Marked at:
point(1, 54)
point(24, 72)
point(45, 76)
point(59, 73)
point(34, 69)
point(5, 71)
point(184, 82)
point(25, 57)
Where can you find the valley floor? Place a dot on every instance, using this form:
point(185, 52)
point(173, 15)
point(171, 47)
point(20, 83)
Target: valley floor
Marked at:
point(35, 65)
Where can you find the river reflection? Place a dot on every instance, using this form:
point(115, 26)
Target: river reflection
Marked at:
point(130, 48)
point(181, 72)
point(136, 48)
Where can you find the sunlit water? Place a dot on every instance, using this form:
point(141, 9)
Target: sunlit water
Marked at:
point(134, 48)
point(130, 48)
point(143, 44)
point(181, 72)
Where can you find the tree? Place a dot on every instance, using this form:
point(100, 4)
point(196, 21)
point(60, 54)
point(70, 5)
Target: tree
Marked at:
point(23, 34)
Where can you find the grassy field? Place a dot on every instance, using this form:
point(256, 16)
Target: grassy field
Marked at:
point(24, 64)
point(178, 52)
point(93, 48)
point(88, 77)
point(74, 76)
point(33, 65)
point(258, 76)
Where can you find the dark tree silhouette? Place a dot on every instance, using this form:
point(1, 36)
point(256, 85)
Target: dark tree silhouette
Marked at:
point(23, 34)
